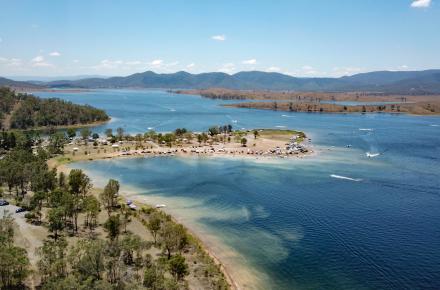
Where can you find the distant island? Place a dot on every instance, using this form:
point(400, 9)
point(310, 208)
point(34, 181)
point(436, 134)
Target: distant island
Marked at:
point(325, 102)
point(425, 82)
point(24, 111)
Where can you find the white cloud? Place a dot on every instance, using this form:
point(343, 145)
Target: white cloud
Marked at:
point(42, 64)
point(55, 53)
point(249, 61)
point(11, 62)
point(273, 69)
point(157, 62)
point(1, 40)
point(38, 59)
point(227, 68)
point(220, 37)
point(421, 3)
point(403, 67)
point(346, 71)
point(191, 65)
point(75, 60)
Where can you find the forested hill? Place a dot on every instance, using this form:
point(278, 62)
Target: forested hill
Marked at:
point(23, 111)
point(389, 82)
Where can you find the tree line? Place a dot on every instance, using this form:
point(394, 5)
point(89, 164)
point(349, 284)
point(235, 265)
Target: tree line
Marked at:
point(32, 112)
point(76, 255)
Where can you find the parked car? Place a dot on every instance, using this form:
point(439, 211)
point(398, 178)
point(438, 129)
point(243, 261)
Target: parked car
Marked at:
point(20, 209)
point(3, 202)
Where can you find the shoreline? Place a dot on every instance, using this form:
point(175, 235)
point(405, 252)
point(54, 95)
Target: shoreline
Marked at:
point(137, 199)
point(63, 127)
point(204, 242)
point(270, 146)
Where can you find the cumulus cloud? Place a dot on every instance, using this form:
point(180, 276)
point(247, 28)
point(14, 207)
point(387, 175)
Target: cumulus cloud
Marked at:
point(250, 61)
point(227, 68)
point(220, 37)
point(273, 69)
point(309, 70)
point(55, 53)
point(39, 61)
point(38, 58)
point(11, 62)
point(346, 71)
point(421, 3)
point(157, 62)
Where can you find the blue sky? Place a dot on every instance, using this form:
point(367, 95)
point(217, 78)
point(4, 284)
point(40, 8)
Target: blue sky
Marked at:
point(297, 37)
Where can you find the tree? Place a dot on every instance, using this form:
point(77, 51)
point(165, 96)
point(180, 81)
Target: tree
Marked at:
point(180, 131)
point(56, 221)
point(95, 136)
point(178, 267)
point(125, 216)
point(91, 207)
point(255, 134)
point(120, 133)
point(131, 246)
point(112, 226)
point(71, 132)
point(109, 132)
point(173, 238)
point(53, 259)
point(56, 143)
point(85, 134)
point(36, 202)
point(14, 263)
point(79, 185)
point(243, 142)
point(213, 131)
point(61, 180)
point(153, 225)
point(87, 258)
point(79, 182)
point(14, 267)
point(109, 195)
point(153, 277)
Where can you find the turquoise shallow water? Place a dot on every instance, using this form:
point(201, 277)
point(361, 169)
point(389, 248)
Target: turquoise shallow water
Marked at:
point(339, 220)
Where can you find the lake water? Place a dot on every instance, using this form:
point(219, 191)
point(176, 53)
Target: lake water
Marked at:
point(339, 220)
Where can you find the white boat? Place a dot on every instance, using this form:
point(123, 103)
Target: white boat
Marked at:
point(160, 205)
point(132, 206)
point(371, 155)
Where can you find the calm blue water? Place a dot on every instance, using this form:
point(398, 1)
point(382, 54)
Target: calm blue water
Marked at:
point(290, 221)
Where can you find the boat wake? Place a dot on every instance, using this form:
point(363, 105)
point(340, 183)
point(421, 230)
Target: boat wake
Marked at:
point(345, 177)
point(434, 125)
point(372, 155)
point(366, 129)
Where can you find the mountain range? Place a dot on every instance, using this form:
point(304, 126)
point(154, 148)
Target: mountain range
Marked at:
point(391, 82)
